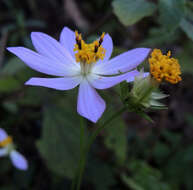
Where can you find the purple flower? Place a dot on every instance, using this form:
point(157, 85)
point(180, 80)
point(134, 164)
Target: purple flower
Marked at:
point(7, 149)
point(76, 63)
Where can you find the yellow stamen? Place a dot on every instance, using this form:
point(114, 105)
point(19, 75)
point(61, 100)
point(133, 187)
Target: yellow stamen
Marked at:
point(6, 141)
point(162, 67)
point(88, 53)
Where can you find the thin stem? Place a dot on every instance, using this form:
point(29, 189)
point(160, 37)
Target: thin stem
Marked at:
point(82, 144)
point(100, 128)
point(81, 169)
point(91, 140)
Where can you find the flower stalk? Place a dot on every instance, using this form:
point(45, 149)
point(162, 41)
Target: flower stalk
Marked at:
point(84, 155)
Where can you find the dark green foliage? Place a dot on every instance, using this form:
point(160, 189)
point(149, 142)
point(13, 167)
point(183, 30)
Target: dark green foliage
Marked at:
point(130, 153)
point(129, 11)
point(59, 145)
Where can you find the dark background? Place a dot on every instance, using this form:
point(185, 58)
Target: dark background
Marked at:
point(131, 153)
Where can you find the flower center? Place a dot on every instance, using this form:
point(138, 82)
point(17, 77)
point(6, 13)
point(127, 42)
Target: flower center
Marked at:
point(88, 53)
point(162, 67)
point(6, 141)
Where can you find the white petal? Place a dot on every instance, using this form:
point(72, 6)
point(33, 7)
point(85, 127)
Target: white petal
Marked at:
point(90, 105)
point(44, 64)
point(67, 39)
point(3, 134)
point(104, 82)
point(66, 83)
point(49, 47)
point(123, 62)
point(18, 160)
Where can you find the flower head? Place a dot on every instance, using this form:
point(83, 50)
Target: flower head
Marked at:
point(76, 63)
point(143, 96)
point(162, 67)
point(88, 53)
point(7, 149)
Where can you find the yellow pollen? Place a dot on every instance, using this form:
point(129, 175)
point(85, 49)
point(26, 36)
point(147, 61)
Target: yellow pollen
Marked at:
point(6, 141)
point(162, 67)
point(88, 53)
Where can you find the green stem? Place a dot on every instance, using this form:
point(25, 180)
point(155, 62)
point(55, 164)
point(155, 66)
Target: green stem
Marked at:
point(100, 128)
point(91, 140)
point(82, 143)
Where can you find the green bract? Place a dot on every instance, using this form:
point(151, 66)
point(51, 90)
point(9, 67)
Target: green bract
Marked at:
point(143, 95)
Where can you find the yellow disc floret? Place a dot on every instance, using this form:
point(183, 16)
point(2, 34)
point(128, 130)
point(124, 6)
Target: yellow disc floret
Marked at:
point(6, 141)
point(162, 67)
point(88, 53)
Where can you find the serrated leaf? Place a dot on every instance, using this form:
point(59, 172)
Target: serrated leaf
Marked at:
point(129, 12)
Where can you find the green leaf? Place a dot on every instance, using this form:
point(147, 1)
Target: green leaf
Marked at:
point(144, 177)
point(160, 36)
point(116, 140)
point(131, 183)
point(171, 13)
point(187, 27)
point(129, 11)
point(59, 145)
point(185, 57)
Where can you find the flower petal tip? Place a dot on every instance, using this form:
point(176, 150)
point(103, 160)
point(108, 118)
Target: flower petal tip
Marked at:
point(28, 82)
point(12, 49)
point(16, 50)
point(18, 160)
point(145, 50)
point(90, 104)
point(92, 118)
point(36, 34)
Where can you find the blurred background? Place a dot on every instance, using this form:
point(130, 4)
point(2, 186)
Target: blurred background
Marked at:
point(131, 153)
